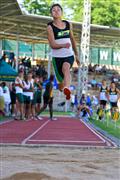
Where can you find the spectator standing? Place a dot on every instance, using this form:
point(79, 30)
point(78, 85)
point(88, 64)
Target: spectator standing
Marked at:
point(48, 97)
point(7, 99)
point(28, 95)
point(19, 94)
point(13, 99)
point(37, 97)
point(94, 83)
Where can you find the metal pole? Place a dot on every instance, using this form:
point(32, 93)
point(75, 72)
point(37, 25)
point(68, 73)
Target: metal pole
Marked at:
point(85, 43)
point(1, 48)
point(17, 50)
point(33, 51)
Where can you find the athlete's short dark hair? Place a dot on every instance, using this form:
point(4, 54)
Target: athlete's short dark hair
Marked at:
point(54, 6)
point(113, 82)
point(103, 80)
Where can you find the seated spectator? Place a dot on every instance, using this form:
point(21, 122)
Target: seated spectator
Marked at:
point(98, 69)
point(88, 100)
point(94, 83)
point(104, 69)
point(83, 98)
point(115, 79)
point(95, 101)
point(84, 111)
point(90, 68)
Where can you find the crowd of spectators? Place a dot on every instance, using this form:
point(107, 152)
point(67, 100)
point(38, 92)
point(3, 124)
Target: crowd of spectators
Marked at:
point(24, 63)
point(22, 98)
point(97, 69)
point(108, 96)
point(9, 104)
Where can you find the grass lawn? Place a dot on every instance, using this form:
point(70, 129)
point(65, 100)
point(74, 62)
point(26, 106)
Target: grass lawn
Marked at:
point(3, 118)
point(57, 113)
point(109, 126)
point(45, 113)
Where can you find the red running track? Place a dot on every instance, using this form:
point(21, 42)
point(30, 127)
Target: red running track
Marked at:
point(65, 131)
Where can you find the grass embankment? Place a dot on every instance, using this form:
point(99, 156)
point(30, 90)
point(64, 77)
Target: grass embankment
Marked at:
point(45, 113)
point(57, 113)
point(109, 126)
point(2, 118)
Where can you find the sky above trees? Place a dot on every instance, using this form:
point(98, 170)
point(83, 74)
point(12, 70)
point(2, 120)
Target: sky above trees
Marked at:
point(103, 12)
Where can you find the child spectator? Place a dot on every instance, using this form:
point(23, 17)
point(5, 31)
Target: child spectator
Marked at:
point(7, 99)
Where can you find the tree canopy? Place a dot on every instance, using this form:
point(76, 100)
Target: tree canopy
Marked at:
point(102, 12)
point(40, 7)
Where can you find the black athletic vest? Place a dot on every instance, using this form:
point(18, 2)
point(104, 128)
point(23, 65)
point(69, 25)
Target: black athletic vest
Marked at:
point(61, 33)
point(103, 89)
point(113, 92)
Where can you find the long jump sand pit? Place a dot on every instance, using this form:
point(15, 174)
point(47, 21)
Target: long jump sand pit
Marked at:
point(53, 163)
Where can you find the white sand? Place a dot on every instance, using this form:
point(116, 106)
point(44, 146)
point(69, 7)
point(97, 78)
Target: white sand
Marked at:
point(50, 163)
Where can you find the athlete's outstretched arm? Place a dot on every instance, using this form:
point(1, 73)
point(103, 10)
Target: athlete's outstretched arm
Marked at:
point(52, 42)
point(74, 46)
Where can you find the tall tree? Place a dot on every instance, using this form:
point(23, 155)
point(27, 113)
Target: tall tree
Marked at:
point(104, 12)
point(40, 7)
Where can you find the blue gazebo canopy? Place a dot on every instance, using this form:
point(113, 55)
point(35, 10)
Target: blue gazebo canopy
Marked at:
point(7, 73)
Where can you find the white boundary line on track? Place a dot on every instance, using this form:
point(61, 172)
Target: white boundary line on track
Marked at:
point(67, 141)
point(100, 135)
point(108, 140)
point(93, 131)
point(4, 122)
point(31, 135)
point(8, 121)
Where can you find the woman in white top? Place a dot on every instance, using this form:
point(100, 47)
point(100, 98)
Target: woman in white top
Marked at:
point(28, 94)
point(19, 93)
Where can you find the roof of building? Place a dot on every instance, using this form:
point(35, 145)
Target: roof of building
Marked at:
point(32, 28)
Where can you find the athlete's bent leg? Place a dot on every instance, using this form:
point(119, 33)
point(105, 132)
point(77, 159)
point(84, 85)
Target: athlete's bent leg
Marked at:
point(51, 108)
point(66, 72)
